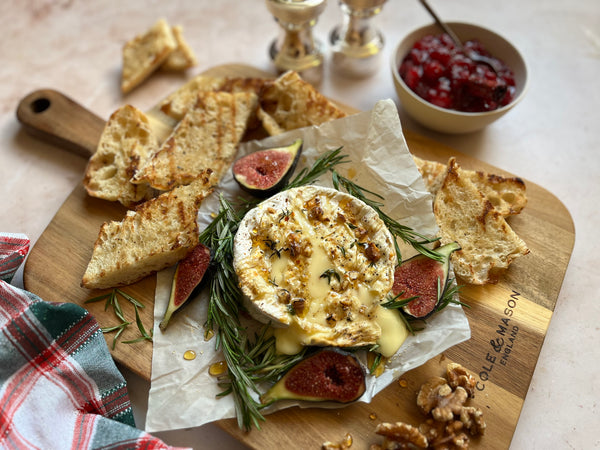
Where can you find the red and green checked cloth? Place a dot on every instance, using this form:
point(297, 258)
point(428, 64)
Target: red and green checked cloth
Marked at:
point(13, 249)
point(59, 387)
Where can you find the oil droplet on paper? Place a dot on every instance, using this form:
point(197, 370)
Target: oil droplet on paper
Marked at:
point(217, 368)
point(189, 355)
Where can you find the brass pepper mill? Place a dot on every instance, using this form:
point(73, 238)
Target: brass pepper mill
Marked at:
point(357, 43)
point(295, 48)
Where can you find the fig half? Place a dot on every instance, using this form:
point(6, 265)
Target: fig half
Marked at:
point(188, 275)
point(328, 375)
point(425, 279)
point(265, 172)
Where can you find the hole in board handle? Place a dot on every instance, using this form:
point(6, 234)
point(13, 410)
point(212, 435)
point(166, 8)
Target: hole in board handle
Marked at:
point(40, 105)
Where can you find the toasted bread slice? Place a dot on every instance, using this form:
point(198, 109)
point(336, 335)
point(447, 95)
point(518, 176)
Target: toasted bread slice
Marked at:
point(126, 141)
point(507, 194)
point(289, 102)
point(206, 139)
point(433, 173)
point(156, 235)
point(465, 215)
point(183, 56)
point(179, 102)
point(145, 53)
point(184, 98)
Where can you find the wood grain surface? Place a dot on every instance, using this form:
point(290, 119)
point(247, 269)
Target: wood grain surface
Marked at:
point(508, 320)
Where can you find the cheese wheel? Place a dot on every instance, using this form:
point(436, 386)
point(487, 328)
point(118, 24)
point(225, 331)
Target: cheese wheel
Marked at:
point(317, 263)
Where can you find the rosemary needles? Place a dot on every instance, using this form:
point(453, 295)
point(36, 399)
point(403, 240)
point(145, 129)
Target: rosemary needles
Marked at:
point(112, 301)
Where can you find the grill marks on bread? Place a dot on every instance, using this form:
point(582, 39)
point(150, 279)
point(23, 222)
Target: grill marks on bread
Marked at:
point(156, 235)
point(204, 141)
point(507, 194)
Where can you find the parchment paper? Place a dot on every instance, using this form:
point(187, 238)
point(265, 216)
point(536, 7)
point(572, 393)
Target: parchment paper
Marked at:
point(182, 393)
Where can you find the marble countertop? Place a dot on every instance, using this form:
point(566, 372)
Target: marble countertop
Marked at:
point(551, 138)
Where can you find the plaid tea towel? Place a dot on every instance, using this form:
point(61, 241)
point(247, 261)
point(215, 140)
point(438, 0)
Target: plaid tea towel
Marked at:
point(59, 387)
point(13, 249)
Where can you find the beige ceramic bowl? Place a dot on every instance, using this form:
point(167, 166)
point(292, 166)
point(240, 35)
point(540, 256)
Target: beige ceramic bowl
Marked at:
point(447, 120)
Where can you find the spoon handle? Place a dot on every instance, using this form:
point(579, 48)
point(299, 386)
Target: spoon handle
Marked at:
point(442, 24)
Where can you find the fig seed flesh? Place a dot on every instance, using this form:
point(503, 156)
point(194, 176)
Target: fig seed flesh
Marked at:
point(424, 278)
point(328, 375)
point(265, 172)
point(188, 275)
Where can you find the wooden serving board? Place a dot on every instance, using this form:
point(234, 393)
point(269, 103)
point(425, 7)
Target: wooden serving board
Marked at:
point(508, 320)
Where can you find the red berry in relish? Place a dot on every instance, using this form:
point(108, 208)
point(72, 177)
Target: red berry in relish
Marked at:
point(443, 75)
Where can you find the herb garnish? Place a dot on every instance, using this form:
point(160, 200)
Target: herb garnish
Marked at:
point(407, 234)
point(398, 303)
point(247, 361)
point(112, 301)
point(321, 166)
point(329, 273)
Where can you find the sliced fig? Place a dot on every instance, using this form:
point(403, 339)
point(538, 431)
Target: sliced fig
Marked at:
point(188, 275)
point(328, 375)
point(425, 279)
point(265, 172)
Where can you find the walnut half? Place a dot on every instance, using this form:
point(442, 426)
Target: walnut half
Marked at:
point(445, 435)
point(457, 375)
point(438, 398)
point(400, 435)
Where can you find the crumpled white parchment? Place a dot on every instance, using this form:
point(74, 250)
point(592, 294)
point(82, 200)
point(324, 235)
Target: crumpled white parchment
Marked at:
point(182, 393)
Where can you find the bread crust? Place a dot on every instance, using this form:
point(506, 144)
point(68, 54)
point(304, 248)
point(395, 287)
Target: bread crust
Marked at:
point(145, 53)
point(126, 141)
point(507, 194)
point(150, 238)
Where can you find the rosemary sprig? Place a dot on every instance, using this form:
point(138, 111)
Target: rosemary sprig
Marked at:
point(248, 361)
point(320, 167)
point(145, 336)
point(407, 234)
point(112, 301)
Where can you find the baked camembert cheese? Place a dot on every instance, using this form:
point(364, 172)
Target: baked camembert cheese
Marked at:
point(318, 263)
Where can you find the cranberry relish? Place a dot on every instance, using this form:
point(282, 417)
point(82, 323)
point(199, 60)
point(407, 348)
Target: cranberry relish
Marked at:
point(436, 70)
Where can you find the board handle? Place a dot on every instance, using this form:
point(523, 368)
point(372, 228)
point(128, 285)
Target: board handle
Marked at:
point(53, 117)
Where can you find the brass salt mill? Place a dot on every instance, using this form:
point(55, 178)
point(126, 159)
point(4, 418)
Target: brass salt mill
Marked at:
point(295, 48)
point(356, 44)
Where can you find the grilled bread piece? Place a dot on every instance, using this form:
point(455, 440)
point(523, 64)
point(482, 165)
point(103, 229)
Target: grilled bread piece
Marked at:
point(126, 141)
point(183, 56)
point(507, 194)
point(145, 53)
point(156, 235)
point(178, 103)
point(465, 215)
point(206, 139)
point(289, 102)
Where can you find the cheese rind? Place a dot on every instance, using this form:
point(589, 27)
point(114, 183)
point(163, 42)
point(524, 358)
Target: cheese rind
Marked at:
point(318, 263)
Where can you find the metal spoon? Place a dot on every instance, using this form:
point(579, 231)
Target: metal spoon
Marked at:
point(472, 54)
